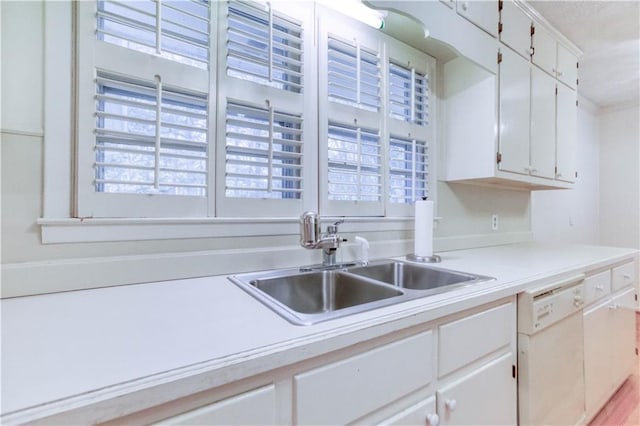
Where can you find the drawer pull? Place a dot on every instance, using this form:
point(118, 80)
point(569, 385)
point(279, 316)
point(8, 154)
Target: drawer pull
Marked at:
point(433, 419)
point(626, 276)
point(599, 288)
point(451, 404)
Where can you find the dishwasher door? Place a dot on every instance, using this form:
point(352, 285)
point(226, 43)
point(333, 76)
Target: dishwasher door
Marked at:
point(551, 377)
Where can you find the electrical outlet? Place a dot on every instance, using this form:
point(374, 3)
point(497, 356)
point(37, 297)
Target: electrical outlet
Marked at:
point(494, 222)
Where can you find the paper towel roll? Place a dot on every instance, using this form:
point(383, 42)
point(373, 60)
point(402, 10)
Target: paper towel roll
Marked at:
point(423, 234)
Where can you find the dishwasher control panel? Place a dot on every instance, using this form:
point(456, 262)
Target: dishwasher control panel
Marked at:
point(539, 309)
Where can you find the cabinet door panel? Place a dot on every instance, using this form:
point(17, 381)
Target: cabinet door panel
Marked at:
point(514, 113)
point(567, 70)
point(543, 117)
point(566, 128)
point(484, 397)
point(623, 330)
point(483, 13)
point(516, 29)
point(352, 388)
point(544, 50)
point(256, 407)
point(597, 356)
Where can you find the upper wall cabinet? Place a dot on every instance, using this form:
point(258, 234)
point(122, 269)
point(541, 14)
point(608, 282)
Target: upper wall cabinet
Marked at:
point(553, 57)
point(484, 14)
point(515, 29)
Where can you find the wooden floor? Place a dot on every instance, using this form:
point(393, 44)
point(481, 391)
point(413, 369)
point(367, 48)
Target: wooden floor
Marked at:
point(624, 406)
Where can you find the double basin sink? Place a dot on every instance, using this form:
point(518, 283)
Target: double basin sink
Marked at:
point(305, 297)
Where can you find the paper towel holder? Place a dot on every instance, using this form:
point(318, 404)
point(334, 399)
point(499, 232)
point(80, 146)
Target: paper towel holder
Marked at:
point(424, 259)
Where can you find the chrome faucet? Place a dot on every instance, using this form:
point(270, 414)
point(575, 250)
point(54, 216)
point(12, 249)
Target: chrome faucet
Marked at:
point(310, 237)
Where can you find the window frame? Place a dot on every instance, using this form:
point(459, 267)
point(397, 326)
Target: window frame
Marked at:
point(60, 222)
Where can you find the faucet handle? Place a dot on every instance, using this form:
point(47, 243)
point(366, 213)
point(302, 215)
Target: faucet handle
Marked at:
point(333, 229)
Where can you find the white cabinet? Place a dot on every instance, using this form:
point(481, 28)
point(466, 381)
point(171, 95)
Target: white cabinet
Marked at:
point(483, 13)
point(256, 407)
point(566, 129)
point(543, 124)
point(515, 29)
point(487, 396)
point(349, 389)
point(609, 334)
point(543, 49)
point(514, 113)
point(567, 67)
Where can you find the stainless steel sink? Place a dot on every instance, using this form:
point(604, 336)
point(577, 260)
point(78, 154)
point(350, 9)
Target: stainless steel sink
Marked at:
point(414, 277)
point(308, 297)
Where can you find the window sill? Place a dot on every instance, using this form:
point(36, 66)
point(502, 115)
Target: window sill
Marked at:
point(72, 230)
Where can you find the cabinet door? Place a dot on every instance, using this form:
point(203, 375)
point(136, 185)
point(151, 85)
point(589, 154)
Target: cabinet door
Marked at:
point(484, 397)
point(514, 112)
point(623, 332)
point(543, 124)
point(597, 356)
point(516, 29)
point(483, 13)
point(566, 128)
point(544, 50)
point(567, 69)
point(256, 407)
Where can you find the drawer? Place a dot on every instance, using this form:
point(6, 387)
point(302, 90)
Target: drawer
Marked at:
point(597, 286)
point(256, 407)
point(463, 341)
point(346, 390)
point(623, 276)
point(422, 413)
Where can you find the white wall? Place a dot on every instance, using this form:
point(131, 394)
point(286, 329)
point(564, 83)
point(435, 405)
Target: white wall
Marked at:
point(572, 216)
point(619, 137)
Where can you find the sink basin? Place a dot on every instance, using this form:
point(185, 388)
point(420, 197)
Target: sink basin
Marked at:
point(311, 295)
point(322, 291)
point(414, 277)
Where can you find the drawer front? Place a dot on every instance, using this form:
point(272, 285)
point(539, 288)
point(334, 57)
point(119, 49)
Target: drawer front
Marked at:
point(256, 407)
point(346, 390)
point(463, 341)
point(597, 286)
point(623, 276)
point(420, 414)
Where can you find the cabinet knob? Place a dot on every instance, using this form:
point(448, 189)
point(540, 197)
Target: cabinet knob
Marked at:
point(560, 73)
point(433, 419)
point(626, 276)
point(599, 288)
point(614, 306)
point(577, 301)
point(451, 404)
point(465, 5)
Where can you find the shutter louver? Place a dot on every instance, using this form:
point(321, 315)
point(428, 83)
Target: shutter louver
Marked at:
point(263, 153)
point(176, 30)
point(353, 75)
point(264, 47)
point(355, 170)
point(408, 95)
point(149, 138)
point(407, 170)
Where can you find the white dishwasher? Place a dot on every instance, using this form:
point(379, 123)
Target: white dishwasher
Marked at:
point(550, 354)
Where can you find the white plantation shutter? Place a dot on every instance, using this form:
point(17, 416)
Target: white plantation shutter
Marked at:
point(408, 170)
point(353, 74)
point(263, 153)
point(264, 47)
point(178, 30)
point(143, 108)
point(149, 139)
point(355, 164)
point(410, 132)
point(265, 132)
point(351, 119)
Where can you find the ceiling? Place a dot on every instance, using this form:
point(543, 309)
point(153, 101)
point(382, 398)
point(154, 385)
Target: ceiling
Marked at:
point(608, 33)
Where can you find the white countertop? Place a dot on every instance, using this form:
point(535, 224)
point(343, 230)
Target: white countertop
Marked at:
point(69, 350)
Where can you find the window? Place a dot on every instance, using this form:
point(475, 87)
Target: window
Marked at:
point(244, 108)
